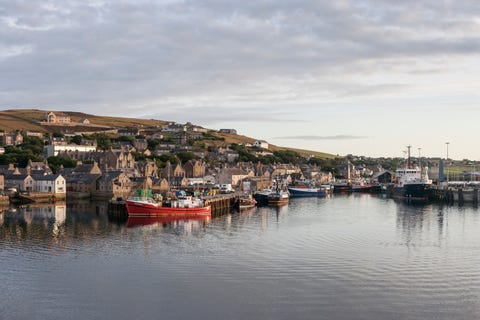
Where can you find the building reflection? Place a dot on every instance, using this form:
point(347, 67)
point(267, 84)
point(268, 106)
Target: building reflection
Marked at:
point(58, 221)
point(420, 224)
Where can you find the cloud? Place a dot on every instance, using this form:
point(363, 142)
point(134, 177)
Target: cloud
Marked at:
point(120, 54)
point(312, 137)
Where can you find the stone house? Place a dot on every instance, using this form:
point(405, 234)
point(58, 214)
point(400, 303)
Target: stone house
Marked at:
point(147, 168)
point(82, 183)
point(261, 144)
point(12, 139)
point(194, 169)
point(21, 182)
point(87, 168)
point(228, 131)
point(112, 184)
point(175, 170)
point(59, 117)
point(159, 185)
point(140, 144)
point(141, 183)
point(233, 176)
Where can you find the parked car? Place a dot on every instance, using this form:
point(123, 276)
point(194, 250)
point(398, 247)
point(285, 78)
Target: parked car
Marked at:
point(226, 188)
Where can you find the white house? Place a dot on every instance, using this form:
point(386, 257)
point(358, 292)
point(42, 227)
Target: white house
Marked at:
point(261, 144)
point(54, 150)
point(52, 183)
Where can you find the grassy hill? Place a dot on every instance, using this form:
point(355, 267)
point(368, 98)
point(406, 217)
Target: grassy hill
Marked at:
point(29, 119)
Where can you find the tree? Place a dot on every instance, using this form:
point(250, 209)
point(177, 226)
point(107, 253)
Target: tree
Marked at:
point(77, 139)
point(55, 162)
point(34, 144)
point(104, 141)
point(185, 156)
point(19, 157)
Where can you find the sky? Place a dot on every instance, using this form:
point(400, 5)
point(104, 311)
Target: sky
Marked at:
point(364, 77)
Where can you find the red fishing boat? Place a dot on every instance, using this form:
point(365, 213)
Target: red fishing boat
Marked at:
point(182, 206)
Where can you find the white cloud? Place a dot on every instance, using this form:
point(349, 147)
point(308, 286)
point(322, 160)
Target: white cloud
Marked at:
point(253, 58)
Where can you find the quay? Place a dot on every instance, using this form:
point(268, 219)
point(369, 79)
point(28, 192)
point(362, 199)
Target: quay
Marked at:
point(456, 192)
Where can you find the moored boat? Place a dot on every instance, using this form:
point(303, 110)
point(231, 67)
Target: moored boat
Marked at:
point(278, 198)
point(341, 187)
point(245, 202)
point(412, 182)
point(306, 191)
point(262, 196)
point(182, 206)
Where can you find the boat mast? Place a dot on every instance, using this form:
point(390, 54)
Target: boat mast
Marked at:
point(420, 163)
point(408, 159)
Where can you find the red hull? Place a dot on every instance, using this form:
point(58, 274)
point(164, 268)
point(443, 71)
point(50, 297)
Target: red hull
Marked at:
point(141, 209)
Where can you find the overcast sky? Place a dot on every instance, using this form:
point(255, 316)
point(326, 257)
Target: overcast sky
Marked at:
point(343, 76)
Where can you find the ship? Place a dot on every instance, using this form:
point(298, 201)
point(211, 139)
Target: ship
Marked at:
point(181, 206)
point(278, 198)
point(306, 189)
point(261, 196)
point(245, 201)
point(412, 182)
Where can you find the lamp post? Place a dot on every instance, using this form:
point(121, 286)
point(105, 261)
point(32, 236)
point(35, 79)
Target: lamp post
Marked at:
point(420, 162)
point(446, 161)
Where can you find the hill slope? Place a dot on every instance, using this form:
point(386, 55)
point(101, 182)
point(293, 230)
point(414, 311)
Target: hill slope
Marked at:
point(29, 119)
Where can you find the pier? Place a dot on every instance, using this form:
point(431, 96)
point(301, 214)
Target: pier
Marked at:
point(457, 192)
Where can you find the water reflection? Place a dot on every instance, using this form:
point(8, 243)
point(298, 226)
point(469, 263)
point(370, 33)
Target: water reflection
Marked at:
point(167, 222)
point(58, 222)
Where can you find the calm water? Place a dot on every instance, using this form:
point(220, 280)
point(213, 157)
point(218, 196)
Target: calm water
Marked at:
point(346, 257)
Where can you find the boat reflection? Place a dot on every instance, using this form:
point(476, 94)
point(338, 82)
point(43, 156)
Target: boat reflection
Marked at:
point(134, 222)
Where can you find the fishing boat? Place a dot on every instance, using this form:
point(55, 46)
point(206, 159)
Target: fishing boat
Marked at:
point(278, 198)
point(342, 187)
point(245, 202)
point(412, 182)
point(180, 206)
point(366, 187)
point(261, 196)
point(304, 190)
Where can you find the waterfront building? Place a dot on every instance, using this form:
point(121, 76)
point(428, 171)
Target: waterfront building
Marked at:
point(20, 182)
point(113, 184)
point(50, 183)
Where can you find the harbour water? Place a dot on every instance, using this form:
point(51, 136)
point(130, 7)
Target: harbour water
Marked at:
point(346, 257)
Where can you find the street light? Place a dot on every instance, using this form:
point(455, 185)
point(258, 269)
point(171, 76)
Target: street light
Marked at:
point(447, 143)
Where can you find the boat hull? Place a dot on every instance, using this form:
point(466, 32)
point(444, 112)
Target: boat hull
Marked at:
point(417, 191)
point(306, 192)
point(277, 202)
point(341, 188)
point(148, 209)
point(261, 198)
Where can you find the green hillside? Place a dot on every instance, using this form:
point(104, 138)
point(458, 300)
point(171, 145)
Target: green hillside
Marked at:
point(29, 119)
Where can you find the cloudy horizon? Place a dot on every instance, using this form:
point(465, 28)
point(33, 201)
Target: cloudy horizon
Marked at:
point(343, 77)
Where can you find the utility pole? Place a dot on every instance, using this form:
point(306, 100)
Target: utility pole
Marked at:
point(446, 161)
